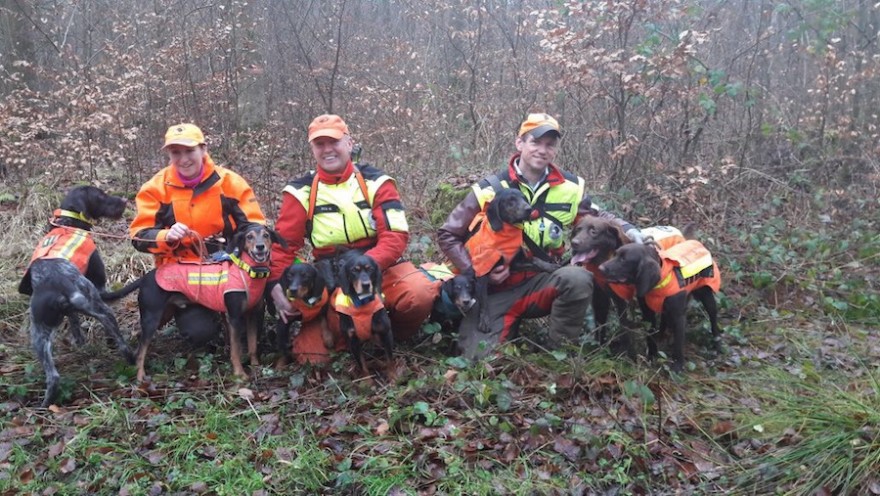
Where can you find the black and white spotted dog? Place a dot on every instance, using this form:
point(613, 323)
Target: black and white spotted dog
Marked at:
point(66, 276)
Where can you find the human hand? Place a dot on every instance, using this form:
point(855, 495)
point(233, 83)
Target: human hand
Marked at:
point(499, 274)
point(286, 312)
point(177, 232)
point(636, 236)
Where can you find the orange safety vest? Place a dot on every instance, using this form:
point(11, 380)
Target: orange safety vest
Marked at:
point(488, 247)
point(662, 235)
point(684, 267)
point(206, 284)
point(310, 311)
point(361, 315)
point(68, 243)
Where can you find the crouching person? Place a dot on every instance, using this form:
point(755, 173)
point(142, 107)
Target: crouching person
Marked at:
point(343, 205)
point(189, 209)
point(523, 293)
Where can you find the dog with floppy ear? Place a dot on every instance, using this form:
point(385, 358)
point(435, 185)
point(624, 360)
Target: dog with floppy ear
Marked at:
point(308, 287)
point(233, 287)
point(664, 280)
point(498, 240)
point(65, 277)
point(358, 307)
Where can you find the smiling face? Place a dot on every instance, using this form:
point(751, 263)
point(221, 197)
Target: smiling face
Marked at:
point(536, 153)
point(332, 154)
point(186, 159)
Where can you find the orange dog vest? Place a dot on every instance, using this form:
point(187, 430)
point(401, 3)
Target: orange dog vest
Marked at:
point(488, 247)
point(310, 311)
point(68, 243)
point(684, 267)
point(207, 284)
point(361, 315)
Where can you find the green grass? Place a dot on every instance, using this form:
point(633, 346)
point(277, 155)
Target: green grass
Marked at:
point(790, 407)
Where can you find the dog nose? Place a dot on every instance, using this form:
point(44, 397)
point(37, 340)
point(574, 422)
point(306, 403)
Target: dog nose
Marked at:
point(575, 243)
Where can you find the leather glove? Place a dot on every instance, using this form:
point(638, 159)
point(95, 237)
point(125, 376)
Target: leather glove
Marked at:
point(635, 235)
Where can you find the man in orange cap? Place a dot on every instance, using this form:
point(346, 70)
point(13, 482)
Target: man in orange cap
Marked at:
point(189, 201)
point(343, 204)
point(560, 201)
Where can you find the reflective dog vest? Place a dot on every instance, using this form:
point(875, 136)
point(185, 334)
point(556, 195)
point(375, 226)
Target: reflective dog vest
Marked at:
point(361, 315)
point(665, 236)
point(310, 311)
point(686, 266)
point(68, 243)
point(206, 284)
point(488, 247)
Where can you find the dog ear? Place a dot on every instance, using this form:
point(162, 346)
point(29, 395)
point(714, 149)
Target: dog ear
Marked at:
point(617, 233)
point(377, 278)
point(647, 275)
point(276, 238)
point(493, 214)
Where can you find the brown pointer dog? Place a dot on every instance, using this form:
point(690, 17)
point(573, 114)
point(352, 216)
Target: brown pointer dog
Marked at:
point(664, 280)
point(240, 296)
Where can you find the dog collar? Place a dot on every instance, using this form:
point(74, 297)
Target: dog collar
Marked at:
point(309, 302)
point(254, 272)
point(73, 215)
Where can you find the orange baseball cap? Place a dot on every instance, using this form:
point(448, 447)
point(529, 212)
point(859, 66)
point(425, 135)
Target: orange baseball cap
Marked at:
point(184, 134)
point(329, 125)
point(538, 125)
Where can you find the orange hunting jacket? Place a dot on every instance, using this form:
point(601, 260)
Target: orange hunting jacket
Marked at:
point(488, 247)
point(684, 267)
point(215, 207)
point(361, 315)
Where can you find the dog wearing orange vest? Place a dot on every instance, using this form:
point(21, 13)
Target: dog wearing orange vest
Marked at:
point(308, 286)
point(664, 281)
point(234, 287)
point(66, 275)
point(357, 308)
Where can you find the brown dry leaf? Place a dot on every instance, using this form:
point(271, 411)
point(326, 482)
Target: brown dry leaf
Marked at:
point(382, 428)
point(26, 475)
point(450, 375)
point(567, 448)
point(246, 393)
point(724, 428)
point(56, 449)
point(67, 466)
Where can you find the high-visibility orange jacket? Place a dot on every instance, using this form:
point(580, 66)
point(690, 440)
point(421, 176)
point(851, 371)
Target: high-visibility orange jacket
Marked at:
point(215, 207)
point(684, 267)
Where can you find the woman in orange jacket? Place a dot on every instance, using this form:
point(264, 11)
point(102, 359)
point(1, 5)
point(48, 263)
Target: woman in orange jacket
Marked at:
point(189, 209)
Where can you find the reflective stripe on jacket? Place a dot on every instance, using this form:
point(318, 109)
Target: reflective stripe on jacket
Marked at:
point(342, 215)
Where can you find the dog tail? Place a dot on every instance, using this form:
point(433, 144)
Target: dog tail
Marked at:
point(125, 291)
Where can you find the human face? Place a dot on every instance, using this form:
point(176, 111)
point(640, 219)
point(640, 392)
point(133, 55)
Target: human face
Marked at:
point(331, 154)
point(187, 160)
point(536, 153)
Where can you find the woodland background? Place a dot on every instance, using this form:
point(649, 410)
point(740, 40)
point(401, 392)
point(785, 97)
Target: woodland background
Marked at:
point(754, 120)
